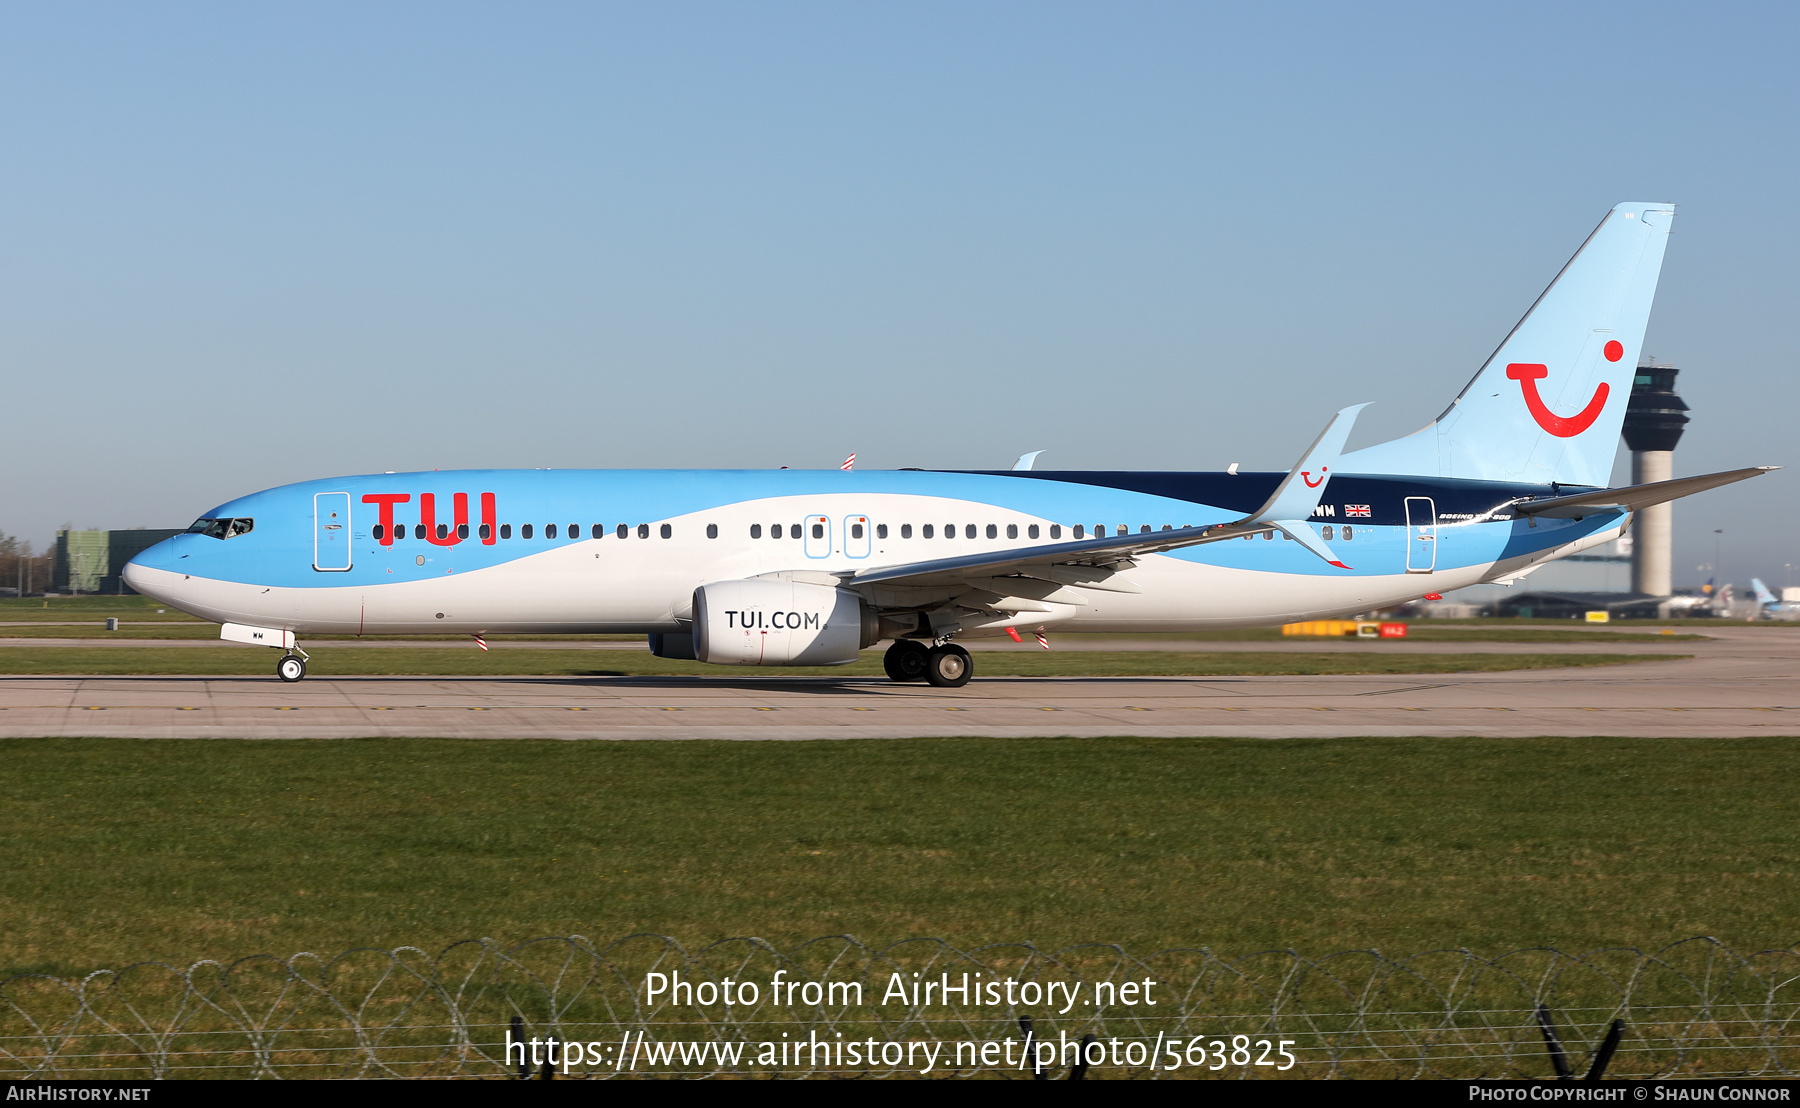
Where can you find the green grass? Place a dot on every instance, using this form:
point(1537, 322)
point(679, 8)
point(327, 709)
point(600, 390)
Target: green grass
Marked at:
point(87, 607)
point(121, 850)
point(466, 661)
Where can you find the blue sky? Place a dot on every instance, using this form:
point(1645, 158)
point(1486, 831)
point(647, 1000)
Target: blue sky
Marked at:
point(249, 244)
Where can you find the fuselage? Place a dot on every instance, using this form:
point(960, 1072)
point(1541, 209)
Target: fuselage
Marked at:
point(622, 551)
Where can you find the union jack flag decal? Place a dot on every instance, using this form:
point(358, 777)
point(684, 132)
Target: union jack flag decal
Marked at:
point(1357, 511)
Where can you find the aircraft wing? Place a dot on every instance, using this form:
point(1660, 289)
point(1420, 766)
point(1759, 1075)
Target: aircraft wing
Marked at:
point(1633, 497)
point(1104, 556)
point(1098, 558)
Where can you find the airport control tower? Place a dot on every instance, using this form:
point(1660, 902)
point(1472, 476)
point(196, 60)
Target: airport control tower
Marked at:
point(1654, 421)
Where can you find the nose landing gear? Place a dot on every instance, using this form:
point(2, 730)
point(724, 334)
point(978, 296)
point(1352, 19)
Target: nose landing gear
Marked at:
point(292, 667)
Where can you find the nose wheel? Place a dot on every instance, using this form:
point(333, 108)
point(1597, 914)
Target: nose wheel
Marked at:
point(292, 667)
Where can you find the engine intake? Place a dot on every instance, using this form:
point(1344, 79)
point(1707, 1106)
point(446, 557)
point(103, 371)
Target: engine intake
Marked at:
point(780, 623)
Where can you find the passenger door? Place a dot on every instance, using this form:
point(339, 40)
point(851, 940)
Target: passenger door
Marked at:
point(818, 537)
point(1421, 534)
point(856, 536)
point(331, 532)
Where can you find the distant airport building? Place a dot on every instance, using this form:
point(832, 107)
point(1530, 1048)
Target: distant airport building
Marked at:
point(89, 561)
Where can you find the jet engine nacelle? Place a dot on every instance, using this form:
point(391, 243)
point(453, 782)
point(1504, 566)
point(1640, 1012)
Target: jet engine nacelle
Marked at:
point(780, 623)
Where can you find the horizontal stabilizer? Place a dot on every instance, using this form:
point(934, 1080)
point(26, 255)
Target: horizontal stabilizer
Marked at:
point(1633, 497)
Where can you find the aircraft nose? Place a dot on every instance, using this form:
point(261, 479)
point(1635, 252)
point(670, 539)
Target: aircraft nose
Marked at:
point(150, 571)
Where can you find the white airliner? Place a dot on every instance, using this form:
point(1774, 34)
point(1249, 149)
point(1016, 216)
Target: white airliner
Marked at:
point(807, 568)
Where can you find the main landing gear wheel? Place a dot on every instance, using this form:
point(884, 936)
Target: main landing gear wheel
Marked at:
point(949, 667)
point(905, 660)
point(292, 667)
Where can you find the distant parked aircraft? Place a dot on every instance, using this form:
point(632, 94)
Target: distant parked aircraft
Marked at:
point(1768, 605)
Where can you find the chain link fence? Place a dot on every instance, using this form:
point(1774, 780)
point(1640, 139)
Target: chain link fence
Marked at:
point(644, 1006)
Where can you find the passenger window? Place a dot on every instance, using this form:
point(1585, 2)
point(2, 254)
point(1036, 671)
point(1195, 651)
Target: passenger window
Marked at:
point(597, 531)
point(506, 530)
point(1145, 529)
point(399, 531)
point(856, 530)
point(818, 530)
point(949, 530)
point(377, 531)
point(419, 531)
point(756, 530)
point(549, 530)
point(624, 531)
point(1166, 527)
point(525, 531)
point(1055, 530)
point(906, 530)
point(667, 530)
point(712, 530)
point(969, 531)
point(443, 530)
point(1327, 532)
point(775, 530)
point(1080, 531)
point(926, 530)
point(1270, 535)
point(1125, 528)
point(462, 530)
point(881, 530)
point(1285, 537)
point(1012, 530)
point(486, 532)
point(1349, 532)
point(643, 530)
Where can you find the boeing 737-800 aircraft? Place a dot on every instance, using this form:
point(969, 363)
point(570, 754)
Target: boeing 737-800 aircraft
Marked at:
point(794, 567)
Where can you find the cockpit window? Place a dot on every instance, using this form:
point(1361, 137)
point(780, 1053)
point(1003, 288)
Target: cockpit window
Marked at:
point(221, 528)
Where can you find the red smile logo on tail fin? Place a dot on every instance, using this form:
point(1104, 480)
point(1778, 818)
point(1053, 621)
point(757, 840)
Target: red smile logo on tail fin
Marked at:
point(1563, 427)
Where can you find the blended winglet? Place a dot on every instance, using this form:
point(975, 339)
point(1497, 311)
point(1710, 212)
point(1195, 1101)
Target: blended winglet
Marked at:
point(1299, 493)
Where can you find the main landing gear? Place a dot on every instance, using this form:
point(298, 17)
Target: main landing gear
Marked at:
point(947, 666)
point(292, 667)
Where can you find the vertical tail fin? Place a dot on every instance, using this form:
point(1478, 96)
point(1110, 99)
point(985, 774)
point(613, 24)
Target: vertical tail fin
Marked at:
point(1548, 404)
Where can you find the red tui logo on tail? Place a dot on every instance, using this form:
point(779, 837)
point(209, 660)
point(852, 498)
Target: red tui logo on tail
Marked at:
point(1563, 427)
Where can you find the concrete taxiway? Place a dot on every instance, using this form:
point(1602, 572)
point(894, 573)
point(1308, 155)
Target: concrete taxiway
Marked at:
point(1744, 681)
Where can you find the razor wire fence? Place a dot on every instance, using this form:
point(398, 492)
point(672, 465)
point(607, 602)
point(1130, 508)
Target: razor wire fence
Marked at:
point(644, 1006)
